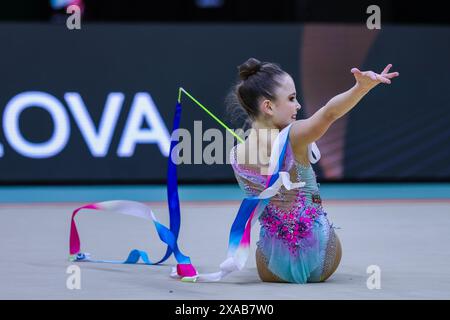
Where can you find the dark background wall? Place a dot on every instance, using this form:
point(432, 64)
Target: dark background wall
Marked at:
point(231, 11)
point(400, 132)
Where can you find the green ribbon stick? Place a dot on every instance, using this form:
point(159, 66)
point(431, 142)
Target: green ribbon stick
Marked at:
point(208, 112)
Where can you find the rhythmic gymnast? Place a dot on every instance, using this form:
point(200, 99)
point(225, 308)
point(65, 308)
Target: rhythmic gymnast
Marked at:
point(297, 243)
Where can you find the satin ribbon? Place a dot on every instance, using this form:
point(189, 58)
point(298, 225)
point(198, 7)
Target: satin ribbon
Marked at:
point(239, 239)
point(137, 209)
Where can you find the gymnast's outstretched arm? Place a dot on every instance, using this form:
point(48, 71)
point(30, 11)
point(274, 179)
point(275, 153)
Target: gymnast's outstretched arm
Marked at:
point(309, 130)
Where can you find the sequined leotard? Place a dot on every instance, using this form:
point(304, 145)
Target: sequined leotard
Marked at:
point(296, 238)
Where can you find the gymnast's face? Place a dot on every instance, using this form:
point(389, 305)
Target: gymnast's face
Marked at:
point(283, 110)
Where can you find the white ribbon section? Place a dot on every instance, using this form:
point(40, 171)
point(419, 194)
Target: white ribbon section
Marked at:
point(277, 148)
point(313, 153)
point(283, 180)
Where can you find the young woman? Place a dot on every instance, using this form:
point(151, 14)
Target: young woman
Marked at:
point(297, 243)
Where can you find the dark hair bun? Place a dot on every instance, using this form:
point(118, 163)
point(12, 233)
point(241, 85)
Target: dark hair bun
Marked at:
point(249, 67)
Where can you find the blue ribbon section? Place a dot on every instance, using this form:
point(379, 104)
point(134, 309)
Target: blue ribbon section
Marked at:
point(167, 236)
point(172, 186)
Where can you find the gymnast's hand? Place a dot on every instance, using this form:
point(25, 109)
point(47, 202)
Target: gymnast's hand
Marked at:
point(367, 80)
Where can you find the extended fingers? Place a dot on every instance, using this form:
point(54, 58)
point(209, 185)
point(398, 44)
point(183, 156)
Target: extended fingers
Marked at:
point(391, 75)
point(383, 79)
point(386, 70)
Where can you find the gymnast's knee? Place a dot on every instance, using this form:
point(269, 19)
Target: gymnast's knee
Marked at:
point(337, 260)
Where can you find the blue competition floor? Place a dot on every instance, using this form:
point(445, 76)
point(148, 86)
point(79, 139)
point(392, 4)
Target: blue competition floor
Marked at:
point(214, 192)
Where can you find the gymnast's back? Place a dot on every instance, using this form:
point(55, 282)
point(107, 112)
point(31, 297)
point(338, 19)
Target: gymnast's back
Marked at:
point(296, 243)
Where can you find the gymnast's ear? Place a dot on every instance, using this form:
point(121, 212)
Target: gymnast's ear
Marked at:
point(266, 107)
